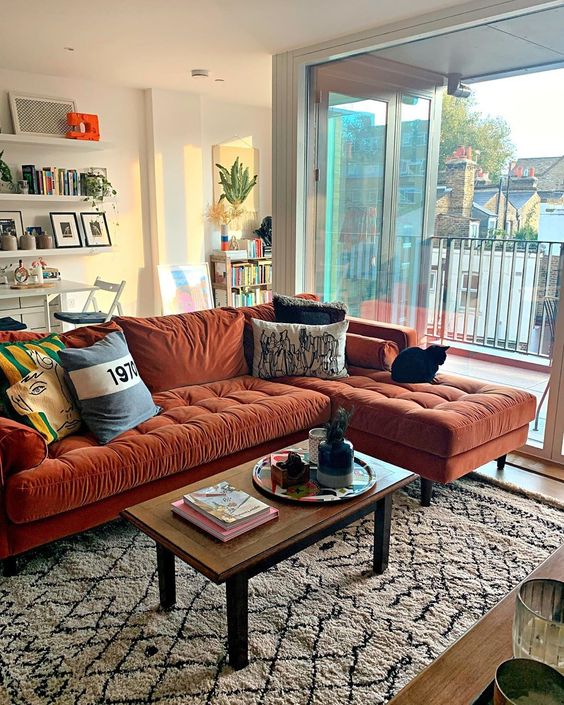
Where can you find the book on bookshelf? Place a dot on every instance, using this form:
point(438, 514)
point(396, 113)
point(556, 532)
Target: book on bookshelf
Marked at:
point(225, 505)
point(225, 533)
point(51, 180)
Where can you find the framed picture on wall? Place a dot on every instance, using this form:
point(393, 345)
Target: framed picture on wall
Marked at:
point(11, 223)
point(65, 229)
point(96, 230)
point(185, 287)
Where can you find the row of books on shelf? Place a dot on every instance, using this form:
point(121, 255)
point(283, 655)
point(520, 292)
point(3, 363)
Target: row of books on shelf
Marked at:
point(223, 511)
point(252, 298)
point(246, 274)
point(53, 181)
point(255, 248)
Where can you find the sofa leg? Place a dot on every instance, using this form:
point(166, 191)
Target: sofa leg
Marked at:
point(426, 492)
point(10, 566)
point(501, 462)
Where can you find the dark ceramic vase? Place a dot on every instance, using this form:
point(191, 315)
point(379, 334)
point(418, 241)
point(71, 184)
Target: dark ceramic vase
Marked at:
point(336, 463)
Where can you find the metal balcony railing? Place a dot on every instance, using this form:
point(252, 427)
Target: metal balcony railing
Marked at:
point(500, 294)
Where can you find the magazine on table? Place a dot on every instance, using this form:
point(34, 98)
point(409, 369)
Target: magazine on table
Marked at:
point(223, 533)
point(225, 505)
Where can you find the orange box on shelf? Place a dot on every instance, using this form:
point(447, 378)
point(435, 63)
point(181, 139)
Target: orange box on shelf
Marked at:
point(91, 127)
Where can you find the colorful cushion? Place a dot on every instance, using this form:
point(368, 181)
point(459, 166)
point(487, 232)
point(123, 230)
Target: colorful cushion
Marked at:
point(43, 397)
point(294, 309)
point(33, 387)
point(110, 394)
point(282, 349)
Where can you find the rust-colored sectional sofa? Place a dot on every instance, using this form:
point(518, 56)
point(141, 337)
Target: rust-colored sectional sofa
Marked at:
point(216, 415)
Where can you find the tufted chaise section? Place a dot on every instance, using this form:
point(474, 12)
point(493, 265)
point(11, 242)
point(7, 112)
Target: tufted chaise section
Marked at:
point(432, 429)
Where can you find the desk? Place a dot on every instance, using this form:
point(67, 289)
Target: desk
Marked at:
point(46, 295)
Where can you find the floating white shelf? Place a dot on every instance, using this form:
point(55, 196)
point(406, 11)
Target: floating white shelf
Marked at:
point(54, 252)
point(54, 142)
point(39, 198)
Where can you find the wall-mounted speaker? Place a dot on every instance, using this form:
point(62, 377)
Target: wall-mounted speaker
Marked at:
point(40, 115)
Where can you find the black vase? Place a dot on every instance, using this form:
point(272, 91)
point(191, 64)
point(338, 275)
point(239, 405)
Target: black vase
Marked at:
point(336, 464)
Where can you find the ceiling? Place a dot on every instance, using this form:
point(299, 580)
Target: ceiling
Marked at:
point(528, 41)
point(146, 43)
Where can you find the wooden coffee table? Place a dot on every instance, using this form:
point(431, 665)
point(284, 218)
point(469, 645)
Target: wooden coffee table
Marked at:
point(465, 669)
point(235, 562)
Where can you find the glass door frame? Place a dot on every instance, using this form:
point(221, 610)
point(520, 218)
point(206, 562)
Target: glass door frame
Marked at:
point(389, 84)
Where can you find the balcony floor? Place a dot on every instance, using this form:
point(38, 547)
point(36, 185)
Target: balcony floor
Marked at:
point(512, 376)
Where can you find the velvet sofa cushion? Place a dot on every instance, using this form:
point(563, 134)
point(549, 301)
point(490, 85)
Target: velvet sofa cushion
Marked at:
point(445, 419)
point(372, 353)
point(189, 348)
point(199, 424)
point(21, 448)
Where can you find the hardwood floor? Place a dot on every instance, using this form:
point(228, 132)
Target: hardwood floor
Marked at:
point(546, 479)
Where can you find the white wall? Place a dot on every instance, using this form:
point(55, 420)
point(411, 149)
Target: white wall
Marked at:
point(161, 166)
point(183, 128)
point(121, 122)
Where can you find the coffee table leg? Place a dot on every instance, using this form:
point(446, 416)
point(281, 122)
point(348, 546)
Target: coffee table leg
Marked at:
point(237, 591)
point(167, 578)
point(382, 530)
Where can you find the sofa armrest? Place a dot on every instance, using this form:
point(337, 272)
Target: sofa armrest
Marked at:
point(372, 353)
point(403, 336)
point(21, 448)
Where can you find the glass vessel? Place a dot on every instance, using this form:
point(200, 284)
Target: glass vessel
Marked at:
point(538, 626)
point(336, 464)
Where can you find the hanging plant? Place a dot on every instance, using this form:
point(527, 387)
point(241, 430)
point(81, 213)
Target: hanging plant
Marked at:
point(6, 173)
point(97, 187)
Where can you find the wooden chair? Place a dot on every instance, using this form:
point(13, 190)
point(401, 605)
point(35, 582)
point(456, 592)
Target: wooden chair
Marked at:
point(86, 317)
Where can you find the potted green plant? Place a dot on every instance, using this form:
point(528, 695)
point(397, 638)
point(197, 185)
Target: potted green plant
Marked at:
point(236, 185)
point(97, 187)
point(336, 454)
point(6, 179)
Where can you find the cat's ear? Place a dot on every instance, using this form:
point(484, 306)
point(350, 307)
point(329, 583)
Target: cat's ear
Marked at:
point(446, 347)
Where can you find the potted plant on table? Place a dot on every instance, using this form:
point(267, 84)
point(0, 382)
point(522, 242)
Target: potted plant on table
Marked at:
point(336, 454)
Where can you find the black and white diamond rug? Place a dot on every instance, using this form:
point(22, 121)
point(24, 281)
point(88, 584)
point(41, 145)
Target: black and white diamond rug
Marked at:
point(81, 624)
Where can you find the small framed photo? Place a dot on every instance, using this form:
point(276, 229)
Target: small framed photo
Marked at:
point(96, 231)
point(11, 223)
point(65, 229)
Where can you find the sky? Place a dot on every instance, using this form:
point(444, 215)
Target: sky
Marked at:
point(533, 105)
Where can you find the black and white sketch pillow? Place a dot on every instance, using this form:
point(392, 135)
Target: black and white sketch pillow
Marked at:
point(282, 349)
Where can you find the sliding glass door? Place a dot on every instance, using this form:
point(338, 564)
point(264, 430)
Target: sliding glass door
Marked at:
point(368, 205)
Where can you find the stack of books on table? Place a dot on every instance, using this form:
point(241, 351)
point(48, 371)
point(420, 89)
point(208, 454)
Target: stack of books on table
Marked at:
point(223, 511)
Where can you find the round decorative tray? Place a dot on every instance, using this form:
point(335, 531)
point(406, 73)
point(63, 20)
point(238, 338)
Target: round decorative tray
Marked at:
point(311, 491)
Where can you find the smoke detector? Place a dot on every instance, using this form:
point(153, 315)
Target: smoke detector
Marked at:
point(200, 73)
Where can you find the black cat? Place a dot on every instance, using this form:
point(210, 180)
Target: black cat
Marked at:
point(414, 365)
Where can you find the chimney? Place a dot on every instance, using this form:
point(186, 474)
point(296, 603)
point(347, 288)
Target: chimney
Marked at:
point(523, 179)
point(459, 176)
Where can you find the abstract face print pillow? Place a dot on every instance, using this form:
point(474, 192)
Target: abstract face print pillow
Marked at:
point(44, 399)
point(282, 349)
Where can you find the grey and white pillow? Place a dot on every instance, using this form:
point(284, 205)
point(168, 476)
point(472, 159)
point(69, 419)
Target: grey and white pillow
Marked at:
point(282, 349)
point(109, 392)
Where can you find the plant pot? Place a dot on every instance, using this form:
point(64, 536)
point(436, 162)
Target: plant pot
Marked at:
point(9, 242)
point(336, 464)
point(6, 187)
point(27, 242)
point(45, 242)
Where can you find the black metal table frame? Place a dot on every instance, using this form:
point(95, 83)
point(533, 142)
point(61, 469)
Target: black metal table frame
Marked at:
point(237, 586)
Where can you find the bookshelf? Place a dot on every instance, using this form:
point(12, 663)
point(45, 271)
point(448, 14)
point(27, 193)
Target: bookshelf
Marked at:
point(241, 282)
